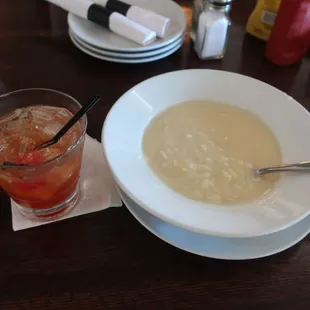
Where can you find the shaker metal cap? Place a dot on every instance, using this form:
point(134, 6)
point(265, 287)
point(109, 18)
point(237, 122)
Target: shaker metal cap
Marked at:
point(220, 2)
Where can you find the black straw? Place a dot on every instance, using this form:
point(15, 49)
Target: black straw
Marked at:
point(69, 124)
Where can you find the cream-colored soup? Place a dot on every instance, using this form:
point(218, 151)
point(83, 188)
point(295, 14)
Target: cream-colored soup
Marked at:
point(207, 151)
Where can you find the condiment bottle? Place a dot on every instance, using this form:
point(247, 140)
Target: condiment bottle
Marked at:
point(198, 8)
point(210, 28)
point(290, 36)
point(262, 18)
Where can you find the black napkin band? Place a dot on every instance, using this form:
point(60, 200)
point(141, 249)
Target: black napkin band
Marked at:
point(118, 6)
point(99, 15)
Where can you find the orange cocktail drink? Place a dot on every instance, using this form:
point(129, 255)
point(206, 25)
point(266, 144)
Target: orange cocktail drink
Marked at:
point(42, 183)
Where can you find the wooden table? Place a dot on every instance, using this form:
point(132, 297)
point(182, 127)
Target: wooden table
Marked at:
point(108, 260)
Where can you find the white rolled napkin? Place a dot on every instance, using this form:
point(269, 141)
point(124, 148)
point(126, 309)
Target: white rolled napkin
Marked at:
point(114, 21)
point(146, 18)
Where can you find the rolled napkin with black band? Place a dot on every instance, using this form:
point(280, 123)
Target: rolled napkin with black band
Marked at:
point(146, 18)
point(114, 21)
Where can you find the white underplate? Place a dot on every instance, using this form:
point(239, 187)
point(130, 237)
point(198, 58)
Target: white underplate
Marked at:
point(218, 247)
point(126, 54)
point(123, 59)
point(103, 38)
point(122, 142)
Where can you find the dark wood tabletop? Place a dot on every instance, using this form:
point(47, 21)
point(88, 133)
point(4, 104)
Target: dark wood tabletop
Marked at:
point(107, 260)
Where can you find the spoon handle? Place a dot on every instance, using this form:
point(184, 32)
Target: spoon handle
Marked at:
point(302, 166)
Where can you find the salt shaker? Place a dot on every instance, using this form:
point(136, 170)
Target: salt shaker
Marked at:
point(210, 26)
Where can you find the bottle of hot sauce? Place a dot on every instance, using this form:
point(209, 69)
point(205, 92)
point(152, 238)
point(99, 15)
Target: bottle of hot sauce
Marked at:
point(290, 35)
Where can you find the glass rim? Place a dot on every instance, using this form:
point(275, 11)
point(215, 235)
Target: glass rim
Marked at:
point(78, 141)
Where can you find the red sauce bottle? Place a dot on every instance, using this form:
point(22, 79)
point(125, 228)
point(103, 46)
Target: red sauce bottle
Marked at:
point(290, 35)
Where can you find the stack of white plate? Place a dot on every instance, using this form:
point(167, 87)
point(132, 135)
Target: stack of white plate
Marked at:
point(101, 43)
point(260, 228)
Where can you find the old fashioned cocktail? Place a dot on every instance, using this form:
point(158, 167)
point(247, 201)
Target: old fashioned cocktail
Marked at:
point(43, 183)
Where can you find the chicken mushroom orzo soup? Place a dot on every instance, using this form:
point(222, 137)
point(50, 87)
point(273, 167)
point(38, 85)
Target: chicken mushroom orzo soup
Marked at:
point(207, 151)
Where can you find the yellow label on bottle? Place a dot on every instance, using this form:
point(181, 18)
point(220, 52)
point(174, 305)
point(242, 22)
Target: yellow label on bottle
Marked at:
point(262, 18)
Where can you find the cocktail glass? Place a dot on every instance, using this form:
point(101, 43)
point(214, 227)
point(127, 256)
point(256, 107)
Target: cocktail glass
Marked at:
point(44, 185)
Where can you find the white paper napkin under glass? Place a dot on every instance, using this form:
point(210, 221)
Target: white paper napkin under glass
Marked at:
point(97, 188)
